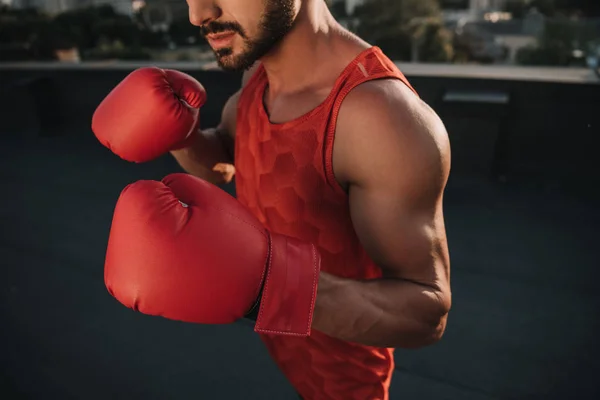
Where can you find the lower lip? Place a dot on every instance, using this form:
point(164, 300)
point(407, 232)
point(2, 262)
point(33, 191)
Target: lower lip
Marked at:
point(221, 41)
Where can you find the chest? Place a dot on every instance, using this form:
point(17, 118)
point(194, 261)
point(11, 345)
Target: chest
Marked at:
point(286, 108)
point(280, 168)
point(271, 157)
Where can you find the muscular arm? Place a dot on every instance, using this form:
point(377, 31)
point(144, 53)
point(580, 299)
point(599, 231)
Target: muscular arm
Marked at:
point(211, 155)
point(392, 155)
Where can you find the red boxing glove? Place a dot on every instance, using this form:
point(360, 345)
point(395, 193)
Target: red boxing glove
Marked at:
point(186, 250)
point(151, 112)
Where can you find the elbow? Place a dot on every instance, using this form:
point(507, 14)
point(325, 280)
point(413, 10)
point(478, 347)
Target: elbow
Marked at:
point(430, 327)
point(434, 334)
point(435, 327)
point(426, 335)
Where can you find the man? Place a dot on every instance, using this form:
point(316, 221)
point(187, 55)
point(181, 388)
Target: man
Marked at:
point(342, 169)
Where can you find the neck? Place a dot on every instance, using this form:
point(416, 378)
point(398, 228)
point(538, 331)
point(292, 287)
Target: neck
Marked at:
point(306, 46)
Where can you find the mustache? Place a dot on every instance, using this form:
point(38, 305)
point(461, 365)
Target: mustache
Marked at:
point(215, 27)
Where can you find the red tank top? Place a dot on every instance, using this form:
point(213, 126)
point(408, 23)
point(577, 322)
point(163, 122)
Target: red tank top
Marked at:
point(284, 175)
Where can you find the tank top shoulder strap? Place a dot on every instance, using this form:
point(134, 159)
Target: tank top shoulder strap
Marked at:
point(370, 65)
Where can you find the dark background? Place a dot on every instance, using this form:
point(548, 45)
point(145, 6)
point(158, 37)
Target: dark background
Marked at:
point(522, 213)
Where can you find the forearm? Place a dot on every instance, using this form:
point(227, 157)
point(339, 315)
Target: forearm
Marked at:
point(210, 149)
point(383, 312)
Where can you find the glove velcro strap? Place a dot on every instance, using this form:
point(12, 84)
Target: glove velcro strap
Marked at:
point(290, 290)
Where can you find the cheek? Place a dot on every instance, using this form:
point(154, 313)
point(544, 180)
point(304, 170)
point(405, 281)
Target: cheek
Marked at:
point(239, 44)
point(247, 13)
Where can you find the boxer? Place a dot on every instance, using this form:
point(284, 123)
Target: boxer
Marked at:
point(335, 244)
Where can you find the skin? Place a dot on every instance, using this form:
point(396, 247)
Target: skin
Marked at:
point(395, 192)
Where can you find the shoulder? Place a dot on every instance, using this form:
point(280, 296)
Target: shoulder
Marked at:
point(391, 105)
point(384, 125)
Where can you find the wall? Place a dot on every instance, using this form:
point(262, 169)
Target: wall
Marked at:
point(547, 136)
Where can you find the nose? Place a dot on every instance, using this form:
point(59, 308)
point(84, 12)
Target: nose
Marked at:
point(202, 12)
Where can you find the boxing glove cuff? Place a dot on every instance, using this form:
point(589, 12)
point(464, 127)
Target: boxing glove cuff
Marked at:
point(290, 287)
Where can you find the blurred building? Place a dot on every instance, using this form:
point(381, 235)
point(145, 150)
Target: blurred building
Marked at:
point(457, 10)
point(58, 6)
point(452, 9)
point(487, 33)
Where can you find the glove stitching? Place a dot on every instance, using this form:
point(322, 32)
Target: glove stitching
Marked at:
point(314, 288)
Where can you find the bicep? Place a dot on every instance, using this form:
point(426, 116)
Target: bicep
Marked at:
point(406, 242)
point(394, 158)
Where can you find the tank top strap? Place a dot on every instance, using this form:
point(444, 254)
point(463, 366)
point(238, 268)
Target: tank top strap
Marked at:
point(370, 65)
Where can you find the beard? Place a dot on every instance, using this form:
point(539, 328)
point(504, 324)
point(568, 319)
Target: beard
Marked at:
point(276, 21)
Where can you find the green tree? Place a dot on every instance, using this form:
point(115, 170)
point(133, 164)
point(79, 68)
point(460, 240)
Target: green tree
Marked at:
point(546, 7)
point(26, 34)
point(406, 29)
point(587, 8)
point(87, 26)
point(553, 8)
point(100, 32)
point(558, 43)
point(119, 28)
point(181, 30)
point(518, 8)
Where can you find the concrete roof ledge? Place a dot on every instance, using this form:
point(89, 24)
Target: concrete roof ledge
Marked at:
point(462, 71)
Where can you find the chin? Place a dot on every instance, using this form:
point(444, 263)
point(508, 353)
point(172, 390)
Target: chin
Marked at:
point(228, 63)
point(229, 67)
point(235, 62)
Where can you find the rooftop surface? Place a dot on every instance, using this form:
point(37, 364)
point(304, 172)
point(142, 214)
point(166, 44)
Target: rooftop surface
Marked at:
point(523, 324)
